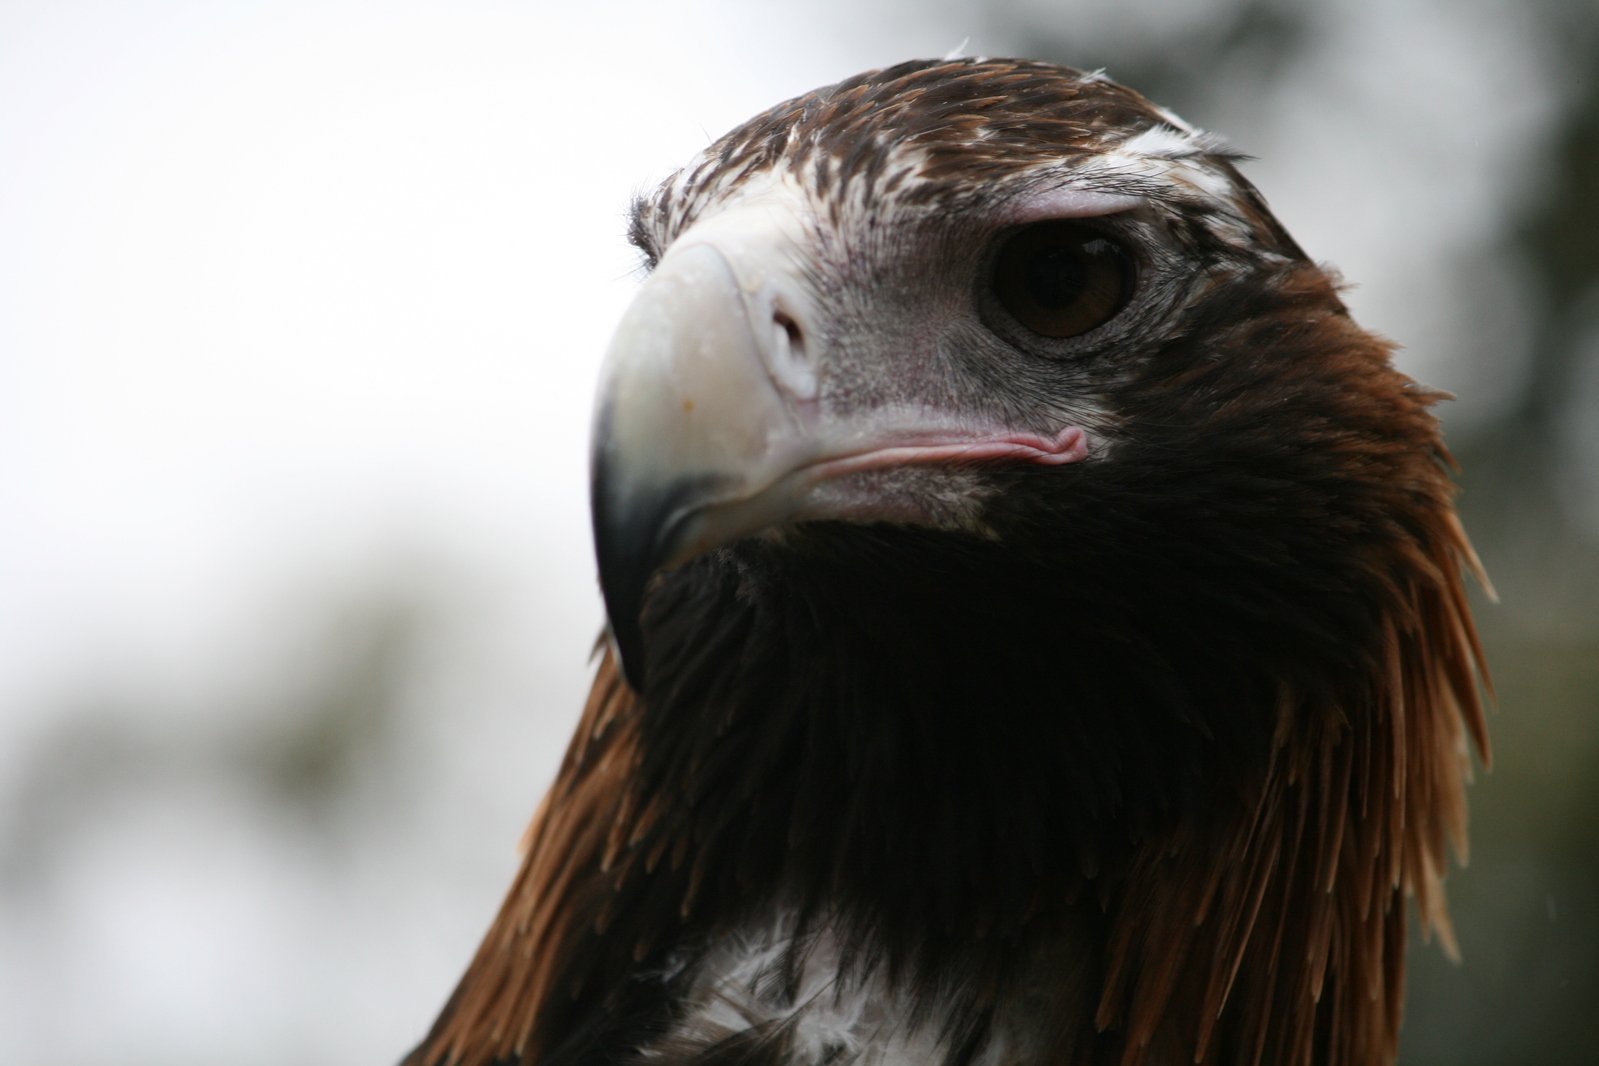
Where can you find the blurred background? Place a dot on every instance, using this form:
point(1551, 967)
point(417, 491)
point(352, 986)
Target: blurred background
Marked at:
point(300, 308)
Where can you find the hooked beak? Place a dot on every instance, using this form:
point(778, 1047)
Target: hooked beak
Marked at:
point(709, 424)
point(702, 410)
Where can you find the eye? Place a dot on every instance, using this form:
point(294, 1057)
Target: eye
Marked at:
point(1062, 279)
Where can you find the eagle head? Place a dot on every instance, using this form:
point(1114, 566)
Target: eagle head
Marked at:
point(1037, 615)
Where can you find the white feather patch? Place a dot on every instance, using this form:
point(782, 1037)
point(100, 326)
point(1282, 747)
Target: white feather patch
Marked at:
point(1164, 142)
point(832, 1016)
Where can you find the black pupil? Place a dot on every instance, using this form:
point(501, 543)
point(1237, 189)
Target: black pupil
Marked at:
point(1060, 279)
point(1055, 278)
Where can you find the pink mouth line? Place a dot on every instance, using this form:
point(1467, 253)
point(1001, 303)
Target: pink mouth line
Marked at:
point(1070, 445)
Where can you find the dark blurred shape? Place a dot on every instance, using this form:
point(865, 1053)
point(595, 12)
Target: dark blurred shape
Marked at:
point(307, 756)
point(1528, 907)
point(311, 759)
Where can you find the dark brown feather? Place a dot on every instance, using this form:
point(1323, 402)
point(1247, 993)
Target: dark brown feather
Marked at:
point(1156, 768)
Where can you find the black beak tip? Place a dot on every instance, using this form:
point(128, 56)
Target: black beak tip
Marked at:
point(639, 522)
point(627, 645)
point(635, 534)
point(624, 552)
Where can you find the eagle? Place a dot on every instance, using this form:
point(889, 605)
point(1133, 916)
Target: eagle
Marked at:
point(1037, 630)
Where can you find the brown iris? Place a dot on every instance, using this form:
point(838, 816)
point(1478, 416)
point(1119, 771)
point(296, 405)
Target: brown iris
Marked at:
point(1062, 279)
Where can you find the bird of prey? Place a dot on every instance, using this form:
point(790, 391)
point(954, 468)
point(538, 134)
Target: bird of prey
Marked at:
point(1036, 614)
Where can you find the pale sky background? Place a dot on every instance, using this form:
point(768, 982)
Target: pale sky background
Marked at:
point(300, 310)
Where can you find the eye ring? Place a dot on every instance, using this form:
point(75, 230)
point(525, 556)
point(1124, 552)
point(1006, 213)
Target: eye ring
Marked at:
point(1062, 278)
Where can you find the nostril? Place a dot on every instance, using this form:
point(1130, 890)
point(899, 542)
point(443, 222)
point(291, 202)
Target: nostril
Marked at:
point(791, 330)
point(788, 360)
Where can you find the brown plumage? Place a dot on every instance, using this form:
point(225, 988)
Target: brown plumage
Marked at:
point(1046, 630)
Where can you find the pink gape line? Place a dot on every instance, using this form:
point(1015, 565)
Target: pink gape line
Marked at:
point(1070, 445)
